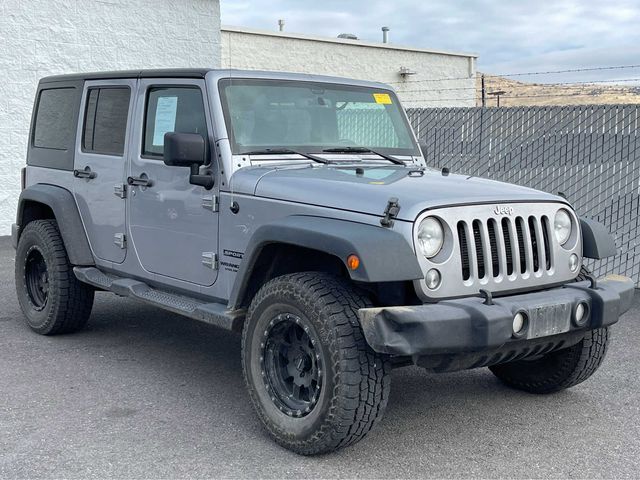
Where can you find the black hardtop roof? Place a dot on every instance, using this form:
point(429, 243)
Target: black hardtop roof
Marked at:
point(157, 73)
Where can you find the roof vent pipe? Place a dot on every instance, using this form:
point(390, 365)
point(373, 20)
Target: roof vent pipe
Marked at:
point(385, 34)
point(281, 25)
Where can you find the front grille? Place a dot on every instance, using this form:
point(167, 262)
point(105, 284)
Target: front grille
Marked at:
point(508, 247)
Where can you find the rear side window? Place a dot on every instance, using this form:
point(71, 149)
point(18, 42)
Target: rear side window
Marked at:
point(105, 122)
point(55, 119)
point(172, 109)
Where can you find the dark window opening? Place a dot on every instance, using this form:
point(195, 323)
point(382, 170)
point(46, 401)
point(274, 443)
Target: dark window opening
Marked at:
point(105, 124)
point(172, 109)
point(55, 119)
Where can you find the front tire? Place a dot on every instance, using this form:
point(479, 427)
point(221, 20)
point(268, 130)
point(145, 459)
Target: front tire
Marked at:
point(313, 380)
point(52, 299)
point(557, 370)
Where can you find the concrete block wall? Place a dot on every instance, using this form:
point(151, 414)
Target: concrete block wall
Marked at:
point(439, 79)
point(46, 37)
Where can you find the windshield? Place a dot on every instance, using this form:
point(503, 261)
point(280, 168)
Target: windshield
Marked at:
point(312, 117)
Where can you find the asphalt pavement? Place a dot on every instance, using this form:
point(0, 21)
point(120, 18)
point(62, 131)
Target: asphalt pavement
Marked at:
point(142, 393)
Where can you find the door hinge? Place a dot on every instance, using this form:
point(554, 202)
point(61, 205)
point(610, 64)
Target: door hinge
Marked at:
point(120, 239)
point(120, 191)
point(210, 260)
point(210, 203)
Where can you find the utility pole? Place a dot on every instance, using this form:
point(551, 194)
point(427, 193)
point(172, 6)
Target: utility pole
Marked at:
point(484, 92)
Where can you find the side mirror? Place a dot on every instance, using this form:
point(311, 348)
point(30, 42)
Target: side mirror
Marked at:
point(184, 149)
point(187, 150)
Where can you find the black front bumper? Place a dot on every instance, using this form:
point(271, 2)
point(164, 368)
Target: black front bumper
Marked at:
point(468, 325)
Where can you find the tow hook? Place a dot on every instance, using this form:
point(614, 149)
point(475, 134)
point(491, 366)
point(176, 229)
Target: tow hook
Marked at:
point(486, 294)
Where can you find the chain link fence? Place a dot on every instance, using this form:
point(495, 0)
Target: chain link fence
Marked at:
point(589, 153)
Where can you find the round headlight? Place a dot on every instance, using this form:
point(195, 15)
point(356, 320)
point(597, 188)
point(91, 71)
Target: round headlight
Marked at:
point(562, 226)
point(430, 237)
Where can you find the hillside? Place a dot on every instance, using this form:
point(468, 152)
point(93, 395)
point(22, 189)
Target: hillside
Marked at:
point(547, 94)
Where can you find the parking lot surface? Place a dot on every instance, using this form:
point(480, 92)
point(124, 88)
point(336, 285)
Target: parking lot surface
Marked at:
point(145, 393)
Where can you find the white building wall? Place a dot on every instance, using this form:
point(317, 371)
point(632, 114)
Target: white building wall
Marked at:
point(45, 37)
point(440, 79)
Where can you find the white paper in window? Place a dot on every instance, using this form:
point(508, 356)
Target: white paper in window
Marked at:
point(165, 119)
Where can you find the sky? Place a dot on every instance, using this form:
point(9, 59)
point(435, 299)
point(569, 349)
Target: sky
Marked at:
point(509, 36)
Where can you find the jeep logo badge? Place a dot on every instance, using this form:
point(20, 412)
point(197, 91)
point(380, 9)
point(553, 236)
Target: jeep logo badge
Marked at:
point(503, 210)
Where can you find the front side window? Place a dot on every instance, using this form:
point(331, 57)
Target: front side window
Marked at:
point(311, 117)
point(172, 109)
point(55, 118)
point(105, 123)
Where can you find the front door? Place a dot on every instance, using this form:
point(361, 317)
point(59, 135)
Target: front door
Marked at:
point(173, 225)
point(99, 165)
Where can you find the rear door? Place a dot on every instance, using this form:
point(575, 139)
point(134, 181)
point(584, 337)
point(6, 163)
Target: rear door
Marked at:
point(173, 224)
point(99, 166)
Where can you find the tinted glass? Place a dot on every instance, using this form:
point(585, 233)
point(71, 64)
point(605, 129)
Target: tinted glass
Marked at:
point(312, 116)
point(55, 119)
point(172, 109)
point(105, 125)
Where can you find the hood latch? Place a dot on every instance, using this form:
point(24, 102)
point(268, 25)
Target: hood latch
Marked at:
point(390, 213)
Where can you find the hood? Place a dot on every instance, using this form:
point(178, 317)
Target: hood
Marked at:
point(341, 187)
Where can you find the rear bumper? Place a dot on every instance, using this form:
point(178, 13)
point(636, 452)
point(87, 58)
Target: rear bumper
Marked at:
point(468, 325)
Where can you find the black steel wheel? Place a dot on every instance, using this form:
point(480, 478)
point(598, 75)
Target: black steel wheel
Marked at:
point(36, 278)
point(52, 299)
point(313, 380)
point(291, 364)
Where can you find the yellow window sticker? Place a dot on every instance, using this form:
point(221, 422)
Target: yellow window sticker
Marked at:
point(383, 98)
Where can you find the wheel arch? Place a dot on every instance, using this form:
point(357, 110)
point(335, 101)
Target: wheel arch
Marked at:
point(42, 201)
point(304, 243)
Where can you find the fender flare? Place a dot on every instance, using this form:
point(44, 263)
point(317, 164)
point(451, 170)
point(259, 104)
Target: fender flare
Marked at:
point(597, 242)
point(385, 255)
point(65, 211)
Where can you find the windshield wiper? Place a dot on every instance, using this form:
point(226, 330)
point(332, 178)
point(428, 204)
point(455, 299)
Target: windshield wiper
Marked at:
point(395, 160)
point(286, 151)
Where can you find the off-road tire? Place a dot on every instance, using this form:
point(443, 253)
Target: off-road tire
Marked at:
point(356, 384)
point(67, 304)
point(557, 370)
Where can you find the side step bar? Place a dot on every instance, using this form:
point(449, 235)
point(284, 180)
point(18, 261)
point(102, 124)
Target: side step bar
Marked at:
point(213, 313)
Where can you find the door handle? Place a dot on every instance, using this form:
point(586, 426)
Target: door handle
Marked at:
point(141, 181)
point(86, 173)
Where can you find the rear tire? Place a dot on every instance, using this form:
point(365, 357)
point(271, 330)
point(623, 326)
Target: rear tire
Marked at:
point(313, 380)
point(52, 299)
point(557, 370)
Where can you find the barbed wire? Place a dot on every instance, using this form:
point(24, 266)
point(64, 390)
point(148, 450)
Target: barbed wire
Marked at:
point(571, 70)
point(522, 74)
point(502, 97)
point(583, 84)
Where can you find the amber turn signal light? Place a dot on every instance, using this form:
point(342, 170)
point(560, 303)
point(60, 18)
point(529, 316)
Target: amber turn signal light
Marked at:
point(353, 262)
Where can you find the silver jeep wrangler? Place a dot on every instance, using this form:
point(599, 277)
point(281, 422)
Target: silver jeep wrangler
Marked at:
point(298, 210)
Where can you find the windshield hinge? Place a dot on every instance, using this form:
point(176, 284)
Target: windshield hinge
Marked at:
point(390, 213)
